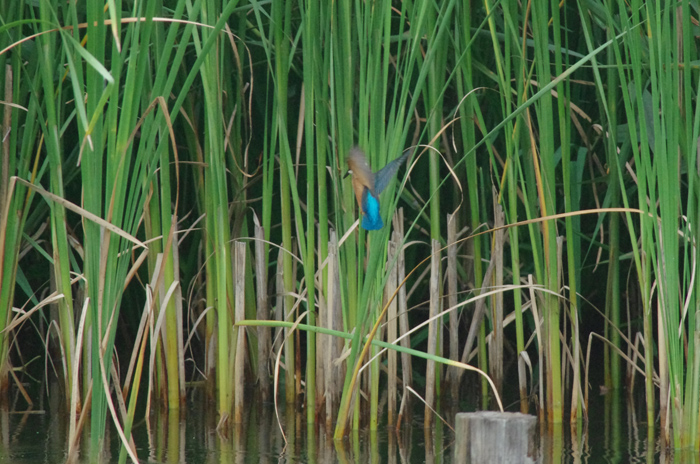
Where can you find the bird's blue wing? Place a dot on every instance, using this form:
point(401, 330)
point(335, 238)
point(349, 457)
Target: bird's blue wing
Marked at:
point(385, 174)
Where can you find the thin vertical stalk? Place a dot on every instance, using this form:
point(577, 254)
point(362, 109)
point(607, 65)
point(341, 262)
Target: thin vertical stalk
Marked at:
point(310, 33)
point(543, 157)
point(496, 344)
point(689, 146)
point(216, 205)
point(406, 368)
point(430, 367)
point(59, 236)
point(571, 203)
point(392, 331)
point(239, 336)
point(612, 297)
point(15, 160)
point(281, 21)
point(452, 290)
point(263, 312)
point(516, 66)
point(334, 321)
point(465, 86)
point(663, 75)
point(93, 168)
point(433, 101)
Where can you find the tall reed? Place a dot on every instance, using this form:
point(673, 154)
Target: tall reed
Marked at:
point(156, 133)
point(663, 126)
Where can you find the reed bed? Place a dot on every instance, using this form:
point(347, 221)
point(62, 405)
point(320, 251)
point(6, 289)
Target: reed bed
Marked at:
point(174, 212)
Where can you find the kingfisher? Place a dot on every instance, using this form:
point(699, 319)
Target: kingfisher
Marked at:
point(369, 185)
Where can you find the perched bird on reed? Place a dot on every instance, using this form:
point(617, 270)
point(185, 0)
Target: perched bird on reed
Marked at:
point(369, 185)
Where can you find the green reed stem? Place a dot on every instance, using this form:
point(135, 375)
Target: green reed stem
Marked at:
point(59, 236)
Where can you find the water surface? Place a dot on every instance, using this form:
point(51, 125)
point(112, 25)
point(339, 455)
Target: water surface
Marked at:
point(614, 434)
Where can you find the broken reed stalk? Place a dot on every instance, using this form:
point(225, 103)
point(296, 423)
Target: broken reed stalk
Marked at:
point(496, 345)
point(452, 290)
point(476, 322)
point(322, 342)
point(239, 334)
point(180, 323)
point(333, 320)
point(374, 372)
point(288, 279)
point(262, 312)
point(279, 304)
point(392, 330)
point(406, 368)
point(431, 368)
point(523, 362)
point(564, 327)
point(540, 348)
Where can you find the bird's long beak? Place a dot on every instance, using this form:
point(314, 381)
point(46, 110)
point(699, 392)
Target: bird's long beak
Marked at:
point(347, 173)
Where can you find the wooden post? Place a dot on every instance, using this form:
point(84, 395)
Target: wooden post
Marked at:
point(489, 436)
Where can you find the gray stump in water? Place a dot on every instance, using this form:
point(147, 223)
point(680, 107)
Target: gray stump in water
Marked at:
point(495, 437)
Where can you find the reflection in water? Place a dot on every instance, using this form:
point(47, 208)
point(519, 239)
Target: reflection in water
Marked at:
point(39, 436)
point(552, 443)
